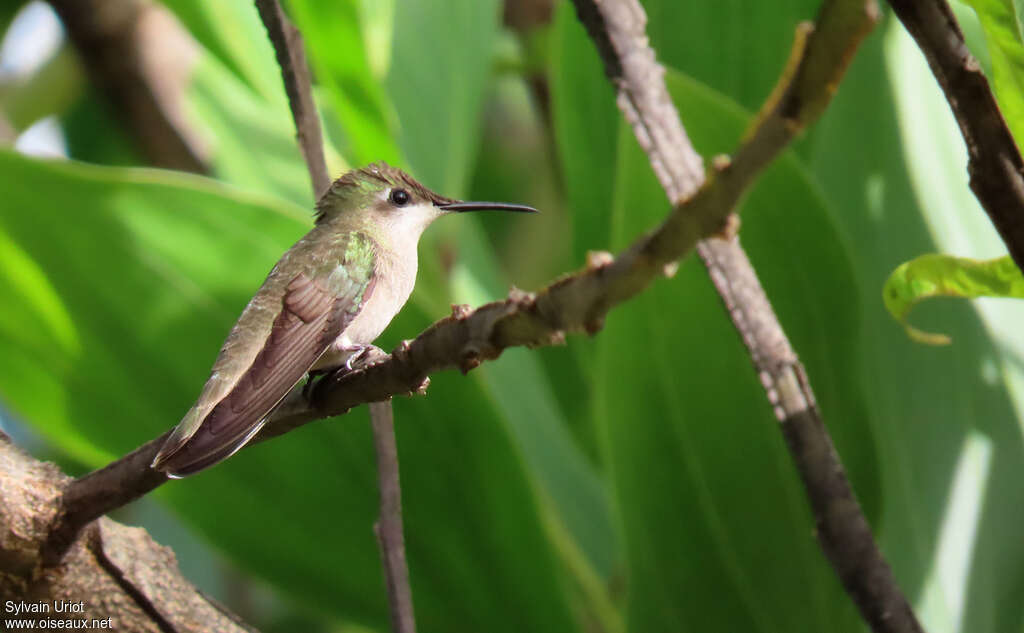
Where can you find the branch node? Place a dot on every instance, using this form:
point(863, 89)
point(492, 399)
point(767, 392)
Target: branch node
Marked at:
point(421, 389)
point(470, 360)
point(521, 298)
point(599, 259)
point(730, 227)
point(461, 311)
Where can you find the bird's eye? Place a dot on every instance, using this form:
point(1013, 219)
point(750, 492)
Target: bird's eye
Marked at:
point(399, 197)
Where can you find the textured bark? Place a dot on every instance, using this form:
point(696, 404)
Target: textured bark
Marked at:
point(115, 571)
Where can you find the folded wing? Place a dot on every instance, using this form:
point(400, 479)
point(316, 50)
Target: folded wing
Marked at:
point(311, 319)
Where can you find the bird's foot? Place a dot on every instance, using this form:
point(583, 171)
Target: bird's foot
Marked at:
point(312, 378)
point(361, 356)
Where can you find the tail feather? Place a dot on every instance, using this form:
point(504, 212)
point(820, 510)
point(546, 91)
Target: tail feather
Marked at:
point(202, 450)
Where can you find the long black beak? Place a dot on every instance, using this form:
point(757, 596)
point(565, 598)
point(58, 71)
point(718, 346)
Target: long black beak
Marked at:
point(462, 207)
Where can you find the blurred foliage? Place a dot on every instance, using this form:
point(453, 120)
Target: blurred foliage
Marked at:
point(635, 481)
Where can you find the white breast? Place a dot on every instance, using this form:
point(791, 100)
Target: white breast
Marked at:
point(395, 277)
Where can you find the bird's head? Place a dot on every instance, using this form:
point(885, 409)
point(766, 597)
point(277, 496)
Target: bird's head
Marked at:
point(382, 197)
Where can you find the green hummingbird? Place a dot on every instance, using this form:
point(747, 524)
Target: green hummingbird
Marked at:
point(324, 302)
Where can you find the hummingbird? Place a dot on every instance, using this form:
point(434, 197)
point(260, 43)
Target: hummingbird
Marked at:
point(322, 305)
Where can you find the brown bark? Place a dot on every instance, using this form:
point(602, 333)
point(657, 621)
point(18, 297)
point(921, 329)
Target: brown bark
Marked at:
point(114, 571)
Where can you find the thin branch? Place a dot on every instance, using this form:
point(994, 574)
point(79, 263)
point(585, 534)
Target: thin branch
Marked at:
point(619, 34)
point(291, 57)
point(389, 526)
point(995, 166)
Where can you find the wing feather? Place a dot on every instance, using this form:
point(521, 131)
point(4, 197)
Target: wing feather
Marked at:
point(312, 317)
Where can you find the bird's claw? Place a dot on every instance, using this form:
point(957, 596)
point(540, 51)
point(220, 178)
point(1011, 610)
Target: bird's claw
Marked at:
point(311, 380)
point(362, 356)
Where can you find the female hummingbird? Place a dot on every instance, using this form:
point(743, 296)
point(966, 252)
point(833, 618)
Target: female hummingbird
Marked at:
point(326, 300)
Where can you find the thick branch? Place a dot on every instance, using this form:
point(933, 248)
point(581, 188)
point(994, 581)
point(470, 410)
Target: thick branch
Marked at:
point(117, 572)
point(995, 166)
point(87, 498)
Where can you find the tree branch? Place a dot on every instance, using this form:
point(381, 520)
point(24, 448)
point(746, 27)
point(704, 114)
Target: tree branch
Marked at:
point(815, 68)
point(117, 572)
point(389, 526)
point(995, 166)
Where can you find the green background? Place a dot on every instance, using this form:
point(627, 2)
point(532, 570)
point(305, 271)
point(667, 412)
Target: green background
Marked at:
point(633, 481)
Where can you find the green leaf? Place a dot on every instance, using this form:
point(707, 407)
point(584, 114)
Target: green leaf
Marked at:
point(123, 284)
point(688, 433)
point(578, 501)
point(441, 58)
point(338, 56)
point(666, 421)
point(251, 141)
point(938, 275)
point(1001, 22)
point(751, 42)
point(587, 159)
point(232, 32)
point(897, 176)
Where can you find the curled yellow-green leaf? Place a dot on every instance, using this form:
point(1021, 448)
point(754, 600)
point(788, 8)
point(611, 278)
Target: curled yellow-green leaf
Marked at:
point(935, 275)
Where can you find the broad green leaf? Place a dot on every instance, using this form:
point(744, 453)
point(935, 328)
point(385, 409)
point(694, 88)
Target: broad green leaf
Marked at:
point(231, 30)
point(690, 439)
point(736, 48)
point(119, 314)
point(939, 275)
point(586, 145)
point(251, 141)
point(928, 404)
point(726, 463)
point(1001, 24)
point(578, 500)
point(440, 62)
point(336, 48)
point(438, 98)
